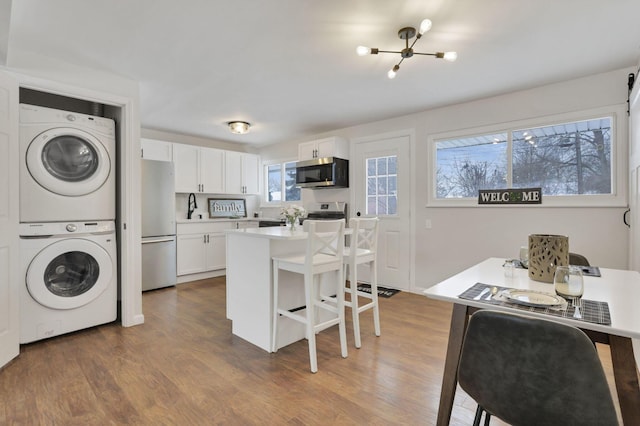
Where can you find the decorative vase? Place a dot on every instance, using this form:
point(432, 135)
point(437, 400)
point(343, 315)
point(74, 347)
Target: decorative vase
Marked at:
point(292, 223)
point(545, 253)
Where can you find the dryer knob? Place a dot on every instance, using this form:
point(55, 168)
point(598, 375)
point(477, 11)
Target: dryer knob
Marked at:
point(71, 117)
point(72, 228)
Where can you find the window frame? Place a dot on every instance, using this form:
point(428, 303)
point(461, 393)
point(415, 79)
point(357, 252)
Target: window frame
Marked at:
point(619, 150)
point(265, 174)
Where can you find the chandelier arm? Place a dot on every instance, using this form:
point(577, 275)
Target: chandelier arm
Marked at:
point(388, 51)
point(426, 54)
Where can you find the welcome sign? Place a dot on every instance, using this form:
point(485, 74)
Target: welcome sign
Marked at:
point(510, 196)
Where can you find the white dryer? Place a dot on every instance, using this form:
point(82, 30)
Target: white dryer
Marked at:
point(70, 277)
point(67, 166)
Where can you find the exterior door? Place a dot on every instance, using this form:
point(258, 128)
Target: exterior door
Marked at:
point(9, 253)
point(381, 172)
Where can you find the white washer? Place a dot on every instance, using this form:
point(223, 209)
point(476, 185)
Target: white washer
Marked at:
point(67, 166)
point(70, 277)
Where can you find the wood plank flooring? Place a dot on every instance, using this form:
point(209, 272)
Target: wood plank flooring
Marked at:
point(184, 367)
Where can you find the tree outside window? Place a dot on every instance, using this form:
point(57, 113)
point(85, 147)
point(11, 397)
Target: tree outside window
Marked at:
point(281, 182)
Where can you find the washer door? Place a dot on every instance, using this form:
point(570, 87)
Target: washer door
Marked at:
point(69, 273)
point(68, 161)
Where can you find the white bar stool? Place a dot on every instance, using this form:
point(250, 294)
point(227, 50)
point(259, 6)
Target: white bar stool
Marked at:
point(362, 250)
point(324, 253)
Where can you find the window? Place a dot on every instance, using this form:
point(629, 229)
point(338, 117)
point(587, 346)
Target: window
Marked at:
point(281, 182)
point(571, 159)
point(382, 190)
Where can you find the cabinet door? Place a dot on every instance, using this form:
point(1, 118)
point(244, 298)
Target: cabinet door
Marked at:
point(212, 167)
point(216, 252)
point(251, 173)
point(191, 253)
point(186, 159)
point(233, 172)
point(332, 147)
point(307, 150)
point(156, 150)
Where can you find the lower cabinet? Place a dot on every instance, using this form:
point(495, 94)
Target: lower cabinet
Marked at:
point(201, 247)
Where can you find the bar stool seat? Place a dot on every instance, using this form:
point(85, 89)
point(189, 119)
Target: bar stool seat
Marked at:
point(324, 253)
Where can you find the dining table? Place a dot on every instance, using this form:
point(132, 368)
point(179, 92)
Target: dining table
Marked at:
point(609, 313)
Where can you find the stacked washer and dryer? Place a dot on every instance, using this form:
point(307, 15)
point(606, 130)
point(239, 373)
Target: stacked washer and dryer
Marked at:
point(68, 249)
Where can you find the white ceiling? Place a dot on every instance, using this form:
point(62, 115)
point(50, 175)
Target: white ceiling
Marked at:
point(289, 66)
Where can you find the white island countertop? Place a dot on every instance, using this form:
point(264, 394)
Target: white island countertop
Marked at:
point(272, 232)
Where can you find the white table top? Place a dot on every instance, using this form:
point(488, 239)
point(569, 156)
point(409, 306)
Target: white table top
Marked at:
point(619, 288)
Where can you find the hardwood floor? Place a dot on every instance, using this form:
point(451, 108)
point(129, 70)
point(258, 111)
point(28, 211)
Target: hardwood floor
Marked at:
point(183, 366)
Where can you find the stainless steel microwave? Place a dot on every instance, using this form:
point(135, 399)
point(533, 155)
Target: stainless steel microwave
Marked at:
point(328, 172)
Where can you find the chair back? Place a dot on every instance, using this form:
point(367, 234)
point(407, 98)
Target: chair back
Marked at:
point(364, 237)
point(326, 237)
point(578, 260)
point(529, 371)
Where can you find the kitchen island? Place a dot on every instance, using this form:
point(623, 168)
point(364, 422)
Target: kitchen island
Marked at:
point(250, 287)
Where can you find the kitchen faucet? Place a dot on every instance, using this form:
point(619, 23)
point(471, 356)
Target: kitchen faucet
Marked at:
point(190, 209)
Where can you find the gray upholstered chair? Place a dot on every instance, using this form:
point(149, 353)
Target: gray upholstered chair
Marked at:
point(578, 260)
point(529, 371)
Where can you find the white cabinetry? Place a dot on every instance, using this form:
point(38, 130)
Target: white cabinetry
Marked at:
point(328, 147)
point(198, 169)
point(241, 173)
point(152, 149)
point(201, 247)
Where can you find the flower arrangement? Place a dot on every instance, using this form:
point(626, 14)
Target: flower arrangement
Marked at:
point(292, 213)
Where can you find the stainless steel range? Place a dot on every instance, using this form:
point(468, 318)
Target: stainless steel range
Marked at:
point(326, 211)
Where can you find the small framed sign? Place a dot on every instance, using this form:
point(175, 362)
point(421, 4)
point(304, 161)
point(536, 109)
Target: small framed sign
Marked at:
point(510, 196)
point(226, 208)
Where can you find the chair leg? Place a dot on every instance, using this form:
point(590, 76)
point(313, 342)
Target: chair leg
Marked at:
point(476, 419)
point(274, 330)
point(487, 418)
point(311, 334)
point(353, 284)
point(342, 326)
point(374, 297)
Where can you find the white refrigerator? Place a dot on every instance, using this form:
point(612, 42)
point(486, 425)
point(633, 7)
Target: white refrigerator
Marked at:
point(158, 225)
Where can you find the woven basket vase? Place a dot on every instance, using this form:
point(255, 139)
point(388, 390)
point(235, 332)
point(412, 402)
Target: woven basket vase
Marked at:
point(545, 253)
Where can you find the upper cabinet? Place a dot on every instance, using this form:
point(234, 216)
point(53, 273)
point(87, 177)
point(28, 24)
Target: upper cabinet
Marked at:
point(152, 149)
point(328, 147)
point(198, 169)
point(241, 173)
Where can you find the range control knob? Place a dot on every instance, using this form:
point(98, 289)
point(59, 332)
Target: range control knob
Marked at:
point(72, 227)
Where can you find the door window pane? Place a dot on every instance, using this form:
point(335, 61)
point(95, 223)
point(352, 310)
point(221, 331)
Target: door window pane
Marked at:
point(70, 158)
point(382, 186)
point(71, 274)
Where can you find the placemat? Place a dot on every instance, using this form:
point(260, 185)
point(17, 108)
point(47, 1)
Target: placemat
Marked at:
point(592, 311)
point(587, 271)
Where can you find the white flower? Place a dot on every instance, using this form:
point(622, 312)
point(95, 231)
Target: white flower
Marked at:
point(292, 212)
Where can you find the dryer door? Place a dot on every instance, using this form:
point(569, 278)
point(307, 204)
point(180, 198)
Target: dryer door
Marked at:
point(69, 273)
point(68, 161)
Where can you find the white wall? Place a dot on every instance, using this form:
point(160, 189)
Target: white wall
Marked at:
point(460, 237)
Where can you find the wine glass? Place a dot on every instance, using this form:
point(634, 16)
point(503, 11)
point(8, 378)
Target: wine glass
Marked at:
point(524, 256)
point(569, 283)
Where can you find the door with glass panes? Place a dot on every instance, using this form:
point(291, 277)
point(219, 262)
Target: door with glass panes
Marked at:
point(381, 188)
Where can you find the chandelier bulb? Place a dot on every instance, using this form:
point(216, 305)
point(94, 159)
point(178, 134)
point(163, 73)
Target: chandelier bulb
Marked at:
point(363, 50)
point(425, 26)
point(392, 72)
point(450, 56)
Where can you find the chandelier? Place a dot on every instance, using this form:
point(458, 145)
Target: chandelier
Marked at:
point(406, 34)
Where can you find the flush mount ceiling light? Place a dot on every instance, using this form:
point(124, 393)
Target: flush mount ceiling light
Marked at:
point(239, 127)
point(406, 34)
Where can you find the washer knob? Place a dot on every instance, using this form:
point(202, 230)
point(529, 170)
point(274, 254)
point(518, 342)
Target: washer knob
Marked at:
point(71, 117)
point(72, 227)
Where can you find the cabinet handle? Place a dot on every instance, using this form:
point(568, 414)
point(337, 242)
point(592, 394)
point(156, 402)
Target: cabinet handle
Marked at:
point(204, 239)
point(207, 238)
